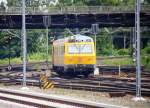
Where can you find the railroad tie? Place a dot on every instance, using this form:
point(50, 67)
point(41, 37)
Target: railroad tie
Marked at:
point(123, 74)
point(45, 83)
point(117, 94)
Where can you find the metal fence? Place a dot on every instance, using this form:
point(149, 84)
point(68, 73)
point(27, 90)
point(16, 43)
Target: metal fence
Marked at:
point(74, 10)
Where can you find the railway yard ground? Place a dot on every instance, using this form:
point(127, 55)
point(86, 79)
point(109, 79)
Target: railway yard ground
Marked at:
point(89, 96)
point(109, 87)
point(74, 54)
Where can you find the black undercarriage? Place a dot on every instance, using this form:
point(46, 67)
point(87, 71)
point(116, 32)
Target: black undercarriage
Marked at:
point(74, 70)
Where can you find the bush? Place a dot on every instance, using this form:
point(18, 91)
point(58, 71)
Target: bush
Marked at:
point(145, 56)
point(108, 52)
point(146, 50)
point(113, 52)
point(123, 52)
point(104, 52)
point(148, 66)
point(146, 61)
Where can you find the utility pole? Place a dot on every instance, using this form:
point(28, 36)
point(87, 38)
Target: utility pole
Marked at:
point(124, 45)
point(137, 24)
point(138, 60)
point(24, 45)
point(9, 66)
point(47, 46)
point(47, 21)
point(95, 28)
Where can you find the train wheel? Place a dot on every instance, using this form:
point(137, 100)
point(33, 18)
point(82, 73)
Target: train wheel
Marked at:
point(70, 74)
point(86, 75)
point(60, 74)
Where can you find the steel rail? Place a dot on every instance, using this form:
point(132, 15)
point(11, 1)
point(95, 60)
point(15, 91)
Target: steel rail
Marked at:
point(30, 102)
point(50, 99)
point(38, 65)
point(29, 66)
point(101, 84)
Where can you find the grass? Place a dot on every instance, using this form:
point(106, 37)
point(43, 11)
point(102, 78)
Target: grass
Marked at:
point(118, 61)
point(39, 57)
point(35, 57)
point(12, 60)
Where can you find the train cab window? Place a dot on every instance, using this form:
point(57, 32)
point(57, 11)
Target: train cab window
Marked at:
point(73, 49)
point(80, 49)
point(86, 48)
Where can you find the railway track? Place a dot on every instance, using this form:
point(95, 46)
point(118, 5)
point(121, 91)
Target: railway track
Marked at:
point(109, 80)
point(116, 68)
point(106, 84)
point(98, 84)
point(43, 66)
point(38, 100)
point(30, 66)
point(111, 57)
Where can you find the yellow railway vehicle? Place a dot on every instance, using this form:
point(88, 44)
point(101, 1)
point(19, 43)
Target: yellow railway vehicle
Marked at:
point(74, 55)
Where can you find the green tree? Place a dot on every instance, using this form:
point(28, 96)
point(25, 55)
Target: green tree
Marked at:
point(7, 38)
point(14, 2)
point(104, 43)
